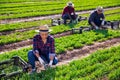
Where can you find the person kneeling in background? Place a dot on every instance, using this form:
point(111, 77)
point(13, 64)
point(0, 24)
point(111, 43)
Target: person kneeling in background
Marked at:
point(97, 18)
point(69, 13)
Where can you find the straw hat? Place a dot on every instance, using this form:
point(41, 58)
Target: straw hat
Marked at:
point(70, 4)
point(100, 8)
point(43, 28)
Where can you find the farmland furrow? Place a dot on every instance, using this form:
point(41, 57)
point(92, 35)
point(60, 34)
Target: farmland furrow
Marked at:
point(86, 50)
point(45, 17)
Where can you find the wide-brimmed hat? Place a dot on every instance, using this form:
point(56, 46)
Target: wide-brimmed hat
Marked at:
point(43, 28)
point(70, 4)
point(100, 9)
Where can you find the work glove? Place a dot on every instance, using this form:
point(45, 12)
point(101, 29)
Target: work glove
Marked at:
point(103, 22)
point(96, 27)
point(72, 13)
point(50, 63)
point(41, 60)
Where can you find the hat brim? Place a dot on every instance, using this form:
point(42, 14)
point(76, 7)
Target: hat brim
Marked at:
point(41, 31)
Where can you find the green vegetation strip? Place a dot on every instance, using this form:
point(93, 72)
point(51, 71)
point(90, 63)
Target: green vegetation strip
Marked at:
point(69, 42)
point(23, 25)
point(22, 10)
point(18, 36)
point(19, 1)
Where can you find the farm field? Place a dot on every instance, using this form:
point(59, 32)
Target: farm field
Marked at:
point(30, 33)
point(23, 25)
point(99, 65)
point(102, 64)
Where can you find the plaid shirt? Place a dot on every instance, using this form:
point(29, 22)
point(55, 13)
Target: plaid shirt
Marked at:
point(47, 48)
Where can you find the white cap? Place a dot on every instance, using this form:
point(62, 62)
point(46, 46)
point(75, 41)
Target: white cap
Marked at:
point(70, 4)
point(100, 8)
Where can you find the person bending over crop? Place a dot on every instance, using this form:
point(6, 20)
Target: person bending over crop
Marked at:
point(69, 12)
point(43, 48)
point(97, 18)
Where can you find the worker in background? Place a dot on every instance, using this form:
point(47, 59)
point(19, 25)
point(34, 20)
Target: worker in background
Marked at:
point(97, 18)
point(69, 13)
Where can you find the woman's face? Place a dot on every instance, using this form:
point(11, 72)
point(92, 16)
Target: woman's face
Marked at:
point(44, 35)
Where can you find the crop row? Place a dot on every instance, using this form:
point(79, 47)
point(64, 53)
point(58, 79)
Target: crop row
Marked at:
point(17, 1)
point(28, 4)
point(18, 36)
point(39, 10)
point(15, 6)
point(23, 25)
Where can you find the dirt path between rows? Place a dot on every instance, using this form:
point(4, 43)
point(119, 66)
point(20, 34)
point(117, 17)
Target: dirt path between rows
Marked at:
point(86, 51)
point(6, 21)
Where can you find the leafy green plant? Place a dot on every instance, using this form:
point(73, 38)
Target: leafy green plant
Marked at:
point(24, 10)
